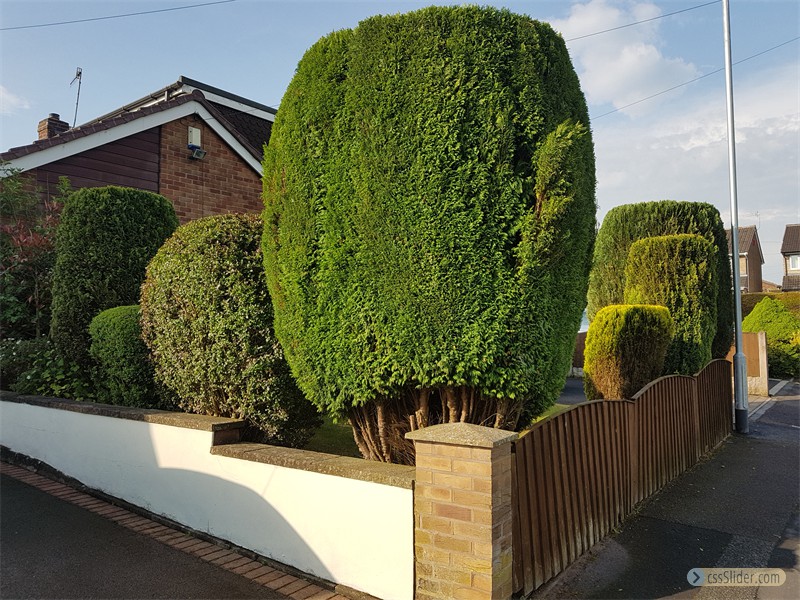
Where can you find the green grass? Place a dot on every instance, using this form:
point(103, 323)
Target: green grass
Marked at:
point(555, 409)
point(334, 439)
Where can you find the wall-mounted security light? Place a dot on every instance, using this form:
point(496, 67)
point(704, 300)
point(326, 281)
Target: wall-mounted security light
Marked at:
point(197, 153)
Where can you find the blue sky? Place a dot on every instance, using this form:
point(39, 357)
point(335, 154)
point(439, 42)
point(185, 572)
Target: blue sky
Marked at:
point(671, 146)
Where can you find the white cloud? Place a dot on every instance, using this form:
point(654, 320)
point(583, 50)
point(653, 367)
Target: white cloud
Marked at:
point(683, 155)
point(621, 67)
point(11, 103)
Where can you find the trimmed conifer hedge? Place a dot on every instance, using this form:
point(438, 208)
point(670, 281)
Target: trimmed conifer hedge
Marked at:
point(123, 373)
point(625, 224)
point(625, 349)
point(104, 241)
point(783, 336)
point(207, 319)
point(679, 272)
point(429, 218)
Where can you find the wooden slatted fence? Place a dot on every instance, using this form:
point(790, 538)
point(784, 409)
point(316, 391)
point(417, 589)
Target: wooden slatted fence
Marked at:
point(579, 473)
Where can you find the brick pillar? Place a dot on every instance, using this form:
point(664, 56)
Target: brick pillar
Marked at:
point(462, 512)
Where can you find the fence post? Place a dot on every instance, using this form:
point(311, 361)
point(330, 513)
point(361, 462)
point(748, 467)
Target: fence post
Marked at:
point(462, 512)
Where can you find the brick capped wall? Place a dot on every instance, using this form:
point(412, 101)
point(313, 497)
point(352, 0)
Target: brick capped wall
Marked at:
point(220, 183)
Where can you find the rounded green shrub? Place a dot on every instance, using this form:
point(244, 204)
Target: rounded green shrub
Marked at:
point(679, 272)
point(625, 224)
point(207, 319)
point(625, 349)
point(123, 373)
point(783, 336)
point(104, 241)
point(429, 219)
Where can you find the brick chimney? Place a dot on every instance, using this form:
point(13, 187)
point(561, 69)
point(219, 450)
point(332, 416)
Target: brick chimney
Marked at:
point(52, 126)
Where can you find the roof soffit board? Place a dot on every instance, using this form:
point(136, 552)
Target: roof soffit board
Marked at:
point(82, 144)
point(240, 106)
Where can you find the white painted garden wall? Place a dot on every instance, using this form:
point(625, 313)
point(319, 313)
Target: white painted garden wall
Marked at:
point(352, 532)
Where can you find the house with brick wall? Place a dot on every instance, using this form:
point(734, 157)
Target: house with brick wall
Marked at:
point(750, 257)
point(199, 146)
point(790, 249)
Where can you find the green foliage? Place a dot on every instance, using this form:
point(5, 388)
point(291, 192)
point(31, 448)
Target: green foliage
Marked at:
point(625, 224)
point(783, 336)
point(104, 241)
point(207, 319)
point(679, 272)
point(17, 356)
point(123, 373)
point(625, 349)
point(429, 214)
point(27, 254)
point(50, 374)
point(790, 300)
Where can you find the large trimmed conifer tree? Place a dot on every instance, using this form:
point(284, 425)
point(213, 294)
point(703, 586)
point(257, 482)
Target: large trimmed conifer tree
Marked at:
point(429, 221)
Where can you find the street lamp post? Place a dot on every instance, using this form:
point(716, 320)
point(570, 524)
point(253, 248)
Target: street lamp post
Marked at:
point(739, 360)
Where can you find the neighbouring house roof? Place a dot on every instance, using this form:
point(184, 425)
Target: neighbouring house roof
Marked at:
point(244, 125)
point(746, 237)
point(251, 119)
point(791, 240)
point(767, 286)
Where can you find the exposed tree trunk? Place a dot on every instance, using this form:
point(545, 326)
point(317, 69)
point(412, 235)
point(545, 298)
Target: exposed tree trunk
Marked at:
point(379, 427)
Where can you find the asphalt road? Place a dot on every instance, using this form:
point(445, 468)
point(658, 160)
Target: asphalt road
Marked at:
point(50, 548)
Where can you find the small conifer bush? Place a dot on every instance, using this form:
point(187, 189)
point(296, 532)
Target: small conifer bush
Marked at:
point(207, 319)
point(123, 373)
point(625, 349)
point(679, 272)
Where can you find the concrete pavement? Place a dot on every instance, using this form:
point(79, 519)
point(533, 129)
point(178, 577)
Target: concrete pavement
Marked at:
point(737, 509)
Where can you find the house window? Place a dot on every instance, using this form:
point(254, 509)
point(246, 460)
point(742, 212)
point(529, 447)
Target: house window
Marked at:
point(794, 262)
point(742, 265)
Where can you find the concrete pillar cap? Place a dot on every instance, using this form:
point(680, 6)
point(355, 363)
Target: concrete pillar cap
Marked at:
point(463, 434)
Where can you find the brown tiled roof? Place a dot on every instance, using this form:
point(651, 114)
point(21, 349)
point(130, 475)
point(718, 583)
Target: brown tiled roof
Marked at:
point(85, 130)
point(98, 126)
point(791, 283)
point(791, 240)
point(254, 129)
point(746, 235)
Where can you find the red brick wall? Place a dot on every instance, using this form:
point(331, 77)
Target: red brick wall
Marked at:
point(220, 183)
point(754, 281)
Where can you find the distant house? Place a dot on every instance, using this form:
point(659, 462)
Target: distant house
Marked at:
point(146, 145)
point(750, 258)
point(791, 258)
